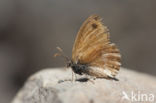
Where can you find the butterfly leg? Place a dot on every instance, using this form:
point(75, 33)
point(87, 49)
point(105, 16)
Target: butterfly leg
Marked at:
point(72, 79)
point(75, 76)
point(72, 75)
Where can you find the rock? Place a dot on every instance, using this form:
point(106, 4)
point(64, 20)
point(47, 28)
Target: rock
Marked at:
point(46, 87)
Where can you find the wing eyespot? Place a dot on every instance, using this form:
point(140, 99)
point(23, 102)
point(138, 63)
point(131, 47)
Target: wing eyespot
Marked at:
point(94, 25)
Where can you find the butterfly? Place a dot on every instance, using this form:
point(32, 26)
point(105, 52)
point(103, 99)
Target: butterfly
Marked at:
point(93, 54)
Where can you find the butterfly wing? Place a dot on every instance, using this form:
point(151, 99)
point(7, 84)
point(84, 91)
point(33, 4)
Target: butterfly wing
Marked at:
point(92, 47)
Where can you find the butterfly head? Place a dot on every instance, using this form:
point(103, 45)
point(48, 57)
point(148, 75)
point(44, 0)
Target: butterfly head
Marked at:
point(69, 63)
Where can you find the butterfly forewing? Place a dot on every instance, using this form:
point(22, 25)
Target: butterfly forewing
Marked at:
point(92, 47)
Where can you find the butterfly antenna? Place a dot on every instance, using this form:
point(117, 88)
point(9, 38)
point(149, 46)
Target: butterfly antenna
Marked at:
point(61, 53)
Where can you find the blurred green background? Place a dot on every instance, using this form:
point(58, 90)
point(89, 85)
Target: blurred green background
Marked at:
point(31, 29)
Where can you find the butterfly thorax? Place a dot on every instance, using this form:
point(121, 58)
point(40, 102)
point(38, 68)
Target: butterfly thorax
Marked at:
point(79, 68)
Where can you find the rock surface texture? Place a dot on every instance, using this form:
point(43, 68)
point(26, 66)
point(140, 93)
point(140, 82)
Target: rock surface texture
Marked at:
point(46, 87)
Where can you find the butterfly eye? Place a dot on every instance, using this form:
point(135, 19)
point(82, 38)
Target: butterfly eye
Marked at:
point(69, 64)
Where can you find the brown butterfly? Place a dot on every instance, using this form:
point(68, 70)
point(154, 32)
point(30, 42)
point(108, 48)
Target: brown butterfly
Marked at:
point(93, 53)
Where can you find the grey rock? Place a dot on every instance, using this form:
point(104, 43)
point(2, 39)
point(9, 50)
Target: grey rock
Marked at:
point(46, 87)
